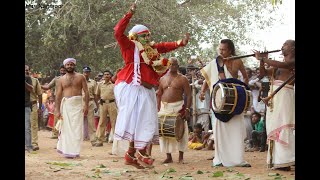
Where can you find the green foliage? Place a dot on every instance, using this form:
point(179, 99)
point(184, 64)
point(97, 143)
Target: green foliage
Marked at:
point(217, 174)
point(275, 2)
point(83, 29)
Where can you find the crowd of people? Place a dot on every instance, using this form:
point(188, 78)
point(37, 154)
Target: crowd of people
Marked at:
point(130, 107)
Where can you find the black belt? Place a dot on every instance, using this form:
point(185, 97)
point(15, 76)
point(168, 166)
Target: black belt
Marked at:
point(106, 101)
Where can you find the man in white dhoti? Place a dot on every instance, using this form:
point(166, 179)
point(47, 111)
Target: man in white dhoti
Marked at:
point(203, 107)
point(137, 120)
point(280, 115)
point(228, 136)
point(172, 88)
point(70, 109)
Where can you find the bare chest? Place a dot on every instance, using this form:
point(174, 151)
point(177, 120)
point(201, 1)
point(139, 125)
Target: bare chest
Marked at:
point(233, 68)
point(71, 82)
point(171, 82)
point(283, 74)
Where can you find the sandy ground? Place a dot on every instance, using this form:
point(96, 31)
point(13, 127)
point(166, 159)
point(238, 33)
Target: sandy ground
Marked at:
point(95, 162)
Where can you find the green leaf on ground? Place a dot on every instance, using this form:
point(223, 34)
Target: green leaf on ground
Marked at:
point(115, 160)
point(199, 172)
point(101, 166)
point(107, 171)
point(155, 172)
point(113, 173)
point(217, 174)
point(64, 164)
point(239, 174)
point(117, 173)
point(96, 176)
point(273, 174)
point(276, 176)
point(170, 170)
point(187, 177)
point(229, 170)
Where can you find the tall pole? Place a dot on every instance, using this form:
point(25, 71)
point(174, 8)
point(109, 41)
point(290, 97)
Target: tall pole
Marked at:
point(194, 107)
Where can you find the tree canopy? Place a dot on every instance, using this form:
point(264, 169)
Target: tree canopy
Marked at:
point(83, 29)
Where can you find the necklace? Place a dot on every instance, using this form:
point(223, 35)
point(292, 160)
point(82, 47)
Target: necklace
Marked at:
point(169, 83)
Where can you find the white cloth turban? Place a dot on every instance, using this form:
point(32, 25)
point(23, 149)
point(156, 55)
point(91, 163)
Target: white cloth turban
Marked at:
point(69, 60)
point(138, 29)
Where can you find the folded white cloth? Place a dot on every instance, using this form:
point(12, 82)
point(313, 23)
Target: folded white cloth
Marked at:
point(59, 125)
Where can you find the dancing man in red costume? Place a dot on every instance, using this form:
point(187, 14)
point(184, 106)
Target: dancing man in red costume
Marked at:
point(137, 120)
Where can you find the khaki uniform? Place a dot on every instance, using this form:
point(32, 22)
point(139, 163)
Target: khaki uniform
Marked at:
point(92, 86)
point(34, 97)
point(106, 91)
point(52, 85)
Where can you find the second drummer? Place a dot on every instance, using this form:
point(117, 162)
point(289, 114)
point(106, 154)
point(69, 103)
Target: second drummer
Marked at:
point(170, 98)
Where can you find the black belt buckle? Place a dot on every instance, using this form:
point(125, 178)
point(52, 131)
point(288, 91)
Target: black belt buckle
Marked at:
point(106, 101)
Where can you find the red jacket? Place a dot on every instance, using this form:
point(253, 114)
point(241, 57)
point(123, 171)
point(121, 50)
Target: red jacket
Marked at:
point(148, 75)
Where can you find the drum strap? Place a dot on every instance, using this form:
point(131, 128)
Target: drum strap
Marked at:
point(220, 68)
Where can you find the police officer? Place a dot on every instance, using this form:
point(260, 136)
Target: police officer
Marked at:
point(107, 106)
point(51, 85)
point(92, 86)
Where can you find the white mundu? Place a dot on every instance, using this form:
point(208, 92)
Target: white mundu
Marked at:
point(170, 145)
point(228, 136)
point(71, 132)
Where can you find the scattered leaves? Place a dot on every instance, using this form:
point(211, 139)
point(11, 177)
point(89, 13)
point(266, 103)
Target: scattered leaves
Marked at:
point(113, 173)
point(217, 174)
point(229, 170)
point(101, 166)
point(64, 164)
point(273, 174)
point(276, 176)
point(186, 177)
point(239, 174)
point(170, 170)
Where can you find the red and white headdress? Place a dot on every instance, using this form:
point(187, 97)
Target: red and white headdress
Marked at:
point(136, 30)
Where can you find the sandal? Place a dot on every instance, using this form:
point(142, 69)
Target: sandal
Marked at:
point(145, 159)
point(129, 160)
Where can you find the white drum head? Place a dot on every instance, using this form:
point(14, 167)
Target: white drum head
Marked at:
point(218, 99)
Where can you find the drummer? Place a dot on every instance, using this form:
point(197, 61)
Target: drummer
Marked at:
point(172, 88)
point(228, 136)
